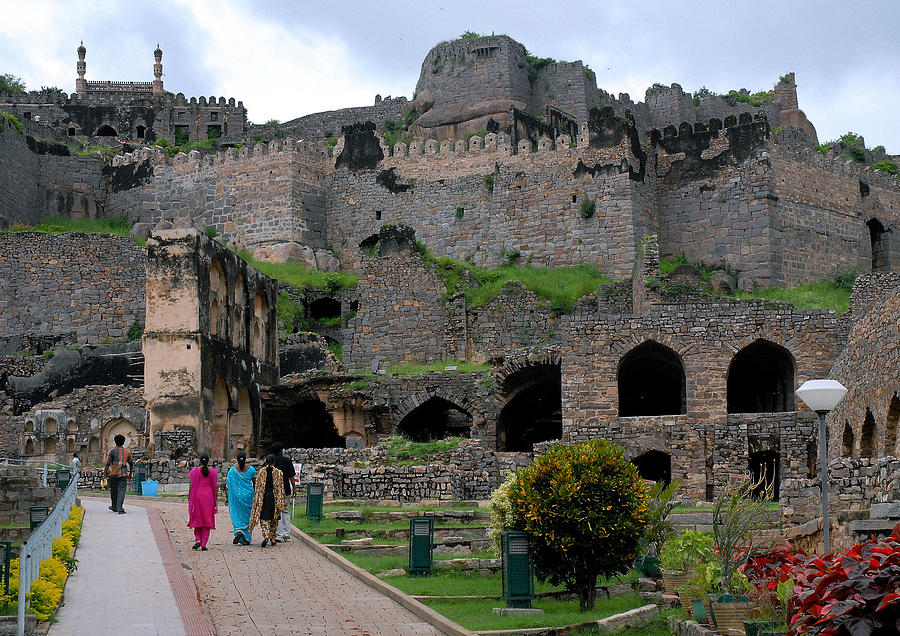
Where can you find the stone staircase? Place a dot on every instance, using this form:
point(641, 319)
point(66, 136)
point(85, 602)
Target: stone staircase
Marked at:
point(881, 520)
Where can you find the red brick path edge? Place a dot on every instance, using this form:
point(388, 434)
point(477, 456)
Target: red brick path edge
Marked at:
point(439, 621)
point(195, 621)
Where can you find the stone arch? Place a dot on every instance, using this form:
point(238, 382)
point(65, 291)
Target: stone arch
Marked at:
point(106, 131)
point(532, 412)
point(765, 470)
point(890, 426)
point(259, 335)
point(221, 414)
point(881, 256)
point(238, 319)
point(306, 424)
point(867, 436)
point(140, 131)
point(240, 425)
point(50, 446)
point(51, 426)
point(71, 426)
point(847, 439)
point(435, 418)
point(325, 307)
point(369, 242)
point(29, 446)
point(761, 379)
point(29, 425)
point(218, 303)
point(654, 465)
point(120, 426)
point(651, 381)
point(70, 445)
point(94, 445)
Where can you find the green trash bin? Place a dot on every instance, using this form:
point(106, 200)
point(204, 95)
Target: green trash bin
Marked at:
point(37, 515)
point(421, 543)
point(315, 493)
point(63, 477)
point(5, 558)
point(518, 569)
point(141, 473)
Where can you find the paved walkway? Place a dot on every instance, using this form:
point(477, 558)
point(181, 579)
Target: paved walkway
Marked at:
point(288, 589)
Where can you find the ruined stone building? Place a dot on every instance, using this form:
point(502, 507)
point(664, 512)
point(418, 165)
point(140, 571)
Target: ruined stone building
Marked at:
point(560, 173)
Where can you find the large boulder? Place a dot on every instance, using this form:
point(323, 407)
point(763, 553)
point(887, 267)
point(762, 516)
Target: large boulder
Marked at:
point(140, 230)
point(424, 101)
point(327, 261)
point(722, 282)
point(745, 283)
point(289, 252)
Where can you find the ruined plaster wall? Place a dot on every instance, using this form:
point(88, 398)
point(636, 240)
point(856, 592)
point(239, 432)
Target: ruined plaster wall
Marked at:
point(714, 200)
point(91, 284)
point(529, 207)
point(37, 181)
point(267, 193)
point(868, 368)
point(823, 213)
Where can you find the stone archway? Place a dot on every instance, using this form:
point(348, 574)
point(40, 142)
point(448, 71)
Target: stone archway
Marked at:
point(654, 465)
point(121, 426)
point(240, 425)
point(218, 300)
point(761, 379)
point(651, 381)
point(435, 418)
point(221, 414)
point(533, 411)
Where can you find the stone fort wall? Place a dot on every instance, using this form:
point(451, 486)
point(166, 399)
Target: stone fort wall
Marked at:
point(53, 284)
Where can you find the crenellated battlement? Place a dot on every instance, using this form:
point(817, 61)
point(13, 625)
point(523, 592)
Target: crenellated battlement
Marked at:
point(118, 96)
point(687, 132)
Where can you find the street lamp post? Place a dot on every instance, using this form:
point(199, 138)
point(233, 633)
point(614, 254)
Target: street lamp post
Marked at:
point(822, 396)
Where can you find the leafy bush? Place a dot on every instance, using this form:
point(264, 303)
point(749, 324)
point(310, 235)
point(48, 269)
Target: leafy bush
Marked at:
point(736, 516)
point(687, 551)
point(754, 99)
point(886, 166)
point(11, 84)
point(272, 122)
point(585, 509)
point(502, 518)
point(845, 277)
point(44, 598)
point(659, 527)
point(135, 331)
point(851, 592)
point(460, 212)
point(13, 121)
point(54, 571)
point(336, 349)
point(588, 206)
point(62, 550)
point(489, 181)
point(72, 529)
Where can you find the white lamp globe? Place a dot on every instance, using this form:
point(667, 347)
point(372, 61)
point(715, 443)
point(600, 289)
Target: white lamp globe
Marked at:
point(821, 395)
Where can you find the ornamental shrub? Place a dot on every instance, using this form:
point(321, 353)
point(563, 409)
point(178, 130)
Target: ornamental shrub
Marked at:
point(62, 550)
point(501, 512)
point(44, 598)
point(54, 571)
point(585, 509)
point(687, 550)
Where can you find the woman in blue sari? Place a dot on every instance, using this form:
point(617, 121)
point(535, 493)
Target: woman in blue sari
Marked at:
point(240, 498)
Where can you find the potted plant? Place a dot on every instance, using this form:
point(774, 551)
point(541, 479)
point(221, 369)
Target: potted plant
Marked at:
point(736, 516)
point(659, 527)
point(679, 558)
point(697, 591)
point(783, 594)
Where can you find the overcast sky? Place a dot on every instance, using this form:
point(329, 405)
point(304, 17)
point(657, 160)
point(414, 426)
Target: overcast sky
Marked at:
point(287, 59)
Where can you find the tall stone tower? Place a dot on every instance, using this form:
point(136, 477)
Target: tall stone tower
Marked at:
point(157, 71)
point(81, 67)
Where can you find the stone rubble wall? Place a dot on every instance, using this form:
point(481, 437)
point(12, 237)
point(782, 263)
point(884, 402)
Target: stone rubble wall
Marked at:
point(20, 489)
point(55, 284)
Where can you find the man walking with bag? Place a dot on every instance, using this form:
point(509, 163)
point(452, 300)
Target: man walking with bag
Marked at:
point(119, 470)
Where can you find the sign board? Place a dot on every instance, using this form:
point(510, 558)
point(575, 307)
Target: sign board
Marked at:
point(354, 441)
point(298, 468)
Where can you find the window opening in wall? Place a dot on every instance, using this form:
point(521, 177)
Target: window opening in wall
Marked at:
point(369, 242)
point(50, 446)
point(436, 418)
point(377, 215)
point(880, 254)
point(213, 132)
point(847, 441)
point(761, 379)
point(654, 465)
point(574, 198)
point(812, 458)
point(105, 131)
point(533, 412)
point(71, 132)
point(214, 116)
point(140, 131)
point(51, 427)
point(307, 424)
point(26, 115)
point(324, 308)
point(765, 470)
point(70, 445)
point(890, 427)
point(29, 446)
point(651, 381)
point(867, 436)
point(182, 135)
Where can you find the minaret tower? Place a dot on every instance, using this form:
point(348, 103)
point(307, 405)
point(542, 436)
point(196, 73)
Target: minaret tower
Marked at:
point(157, 71)
point(81, 67)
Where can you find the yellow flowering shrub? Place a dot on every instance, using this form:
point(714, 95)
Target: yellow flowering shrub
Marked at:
point(584, 507)
point(44, 597)
point(62, 550)
point(54, 571)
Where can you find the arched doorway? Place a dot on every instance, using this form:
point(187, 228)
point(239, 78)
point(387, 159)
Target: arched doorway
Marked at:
point(867, 436)
point(654, 465)
point(308, 424)
point(259, 342)
point(240, 425)
point(881, 261)
point(121, 426)
point(221, 413)
point(324, 308)
point(238, 318)
point(847, 440)
point(765, 471)
point(105, 131)
point(651, 381)
point(761, 379)
point(369, 242)
point(50, 446)
point(51, 426)
point(533, 412)
point(29, 446)
point(218, 296)
point(436, 418)
point(890, 427)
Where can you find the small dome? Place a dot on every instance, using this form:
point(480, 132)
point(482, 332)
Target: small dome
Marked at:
point(158, 51)
point(81, 49)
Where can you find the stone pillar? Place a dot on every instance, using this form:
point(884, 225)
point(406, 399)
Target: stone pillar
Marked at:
point(157, 72)
point(81, 67)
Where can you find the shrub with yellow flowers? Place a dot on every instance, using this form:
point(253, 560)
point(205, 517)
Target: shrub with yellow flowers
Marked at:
point(584, 507)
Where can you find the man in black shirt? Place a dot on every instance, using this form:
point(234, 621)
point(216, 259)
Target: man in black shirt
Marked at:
point(286, 466)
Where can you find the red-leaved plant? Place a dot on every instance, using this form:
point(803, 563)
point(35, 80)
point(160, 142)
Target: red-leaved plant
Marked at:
point(767, 568)
point(856, 592)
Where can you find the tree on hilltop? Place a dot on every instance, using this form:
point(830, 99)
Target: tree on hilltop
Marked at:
point(11, 84)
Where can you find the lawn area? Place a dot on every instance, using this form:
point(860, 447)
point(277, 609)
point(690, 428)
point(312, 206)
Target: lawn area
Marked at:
point(657, 627)
point(477, 615)
point(453, 583)
point(120, 226)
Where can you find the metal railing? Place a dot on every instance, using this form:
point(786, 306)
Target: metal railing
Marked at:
point(43, 465)
point(40, 546)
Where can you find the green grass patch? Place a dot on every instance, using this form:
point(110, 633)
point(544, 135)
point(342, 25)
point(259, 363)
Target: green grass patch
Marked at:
point(886, 166)
point(477, 615)
point(300, 277)
point(820, 295)
point(659, 626)
point(560, 286)
point(13, 121)
point(357, 385)
point(405, 452)
point(415, 368)
point(86, 150)
point(120, 226)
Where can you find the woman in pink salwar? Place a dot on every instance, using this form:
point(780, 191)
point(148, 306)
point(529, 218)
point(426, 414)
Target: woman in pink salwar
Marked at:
point(202, 501)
